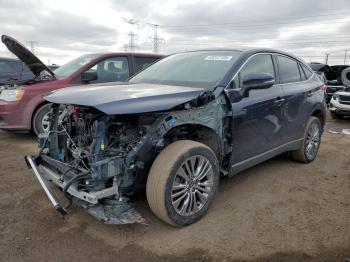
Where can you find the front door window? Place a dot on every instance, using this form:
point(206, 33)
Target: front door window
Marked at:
point(111, 70)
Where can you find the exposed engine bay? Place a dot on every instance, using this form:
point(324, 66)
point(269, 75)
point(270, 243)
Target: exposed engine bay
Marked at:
point(93, 153)
point(99, 161)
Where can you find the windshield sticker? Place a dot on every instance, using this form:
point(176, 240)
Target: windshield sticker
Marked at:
point(218, 58)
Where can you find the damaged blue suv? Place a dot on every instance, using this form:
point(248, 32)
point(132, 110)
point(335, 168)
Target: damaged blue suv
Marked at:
point(174, 128)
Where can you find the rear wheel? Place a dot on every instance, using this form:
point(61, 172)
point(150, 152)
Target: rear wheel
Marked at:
point(311, 142)
point(182, 182)
point(41, 119)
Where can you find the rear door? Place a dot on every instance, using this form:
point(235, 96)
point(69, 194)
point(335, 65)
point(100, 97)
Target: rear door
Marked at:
point(257, 123)
point(297, 87)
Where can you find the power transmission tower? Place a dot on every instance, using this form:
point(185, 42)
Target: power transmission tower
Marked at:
point(33, 45)
point(346, 52)
point(125, 47)
point(155, 38)
point(327, 56)
point(131, 34)
point(132, 38)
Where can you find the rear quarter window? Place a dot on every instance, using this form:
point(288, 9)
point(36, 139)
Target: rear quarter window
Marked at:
point(307, 71)
point(143, 62)
point(288, 70)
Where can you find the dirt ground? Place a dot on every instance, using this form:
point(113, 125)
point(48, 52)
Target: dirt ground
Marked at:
point(278, 211)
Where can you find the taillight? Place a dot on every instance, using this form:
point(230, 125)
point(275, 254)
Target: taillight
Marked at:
point(324, 88)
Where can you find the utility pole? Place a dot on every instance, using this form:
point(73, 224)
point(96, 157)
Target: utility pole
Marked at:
point(33, 45)
point(155, 38)
point(131, 34)
point(346, 52)
point(327, 55)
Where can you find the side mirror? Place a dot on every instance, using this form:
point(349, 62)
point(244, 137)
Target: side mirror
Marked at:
point(88, 76)
point(256, 81)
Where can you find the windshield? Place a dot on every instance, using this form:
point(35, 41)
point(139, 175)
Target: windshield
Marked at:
point(74, 65)
point(195, 69)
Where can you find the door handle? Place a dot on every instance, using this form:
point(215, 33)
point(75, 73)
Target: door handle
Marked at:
point(279, 100)
point(241, 113)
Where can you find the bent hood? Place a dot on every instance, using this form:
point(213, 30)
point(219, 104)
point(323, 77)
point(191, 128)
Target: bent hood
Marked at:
point(27, 57)
point(125, 98)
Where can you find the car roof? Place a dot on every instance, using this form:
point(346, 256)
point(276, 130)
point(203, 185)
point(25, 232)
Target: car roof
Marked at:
point(247, 51)
point(143, 54)
point(9, 59)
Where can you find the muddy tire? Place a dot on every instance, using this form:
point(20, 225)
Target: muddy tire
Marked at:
point(182, 182)
point(311, 142)
point(40, 121)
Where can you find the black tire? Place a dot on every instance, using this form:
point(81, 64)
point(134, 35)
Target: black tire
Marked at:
point(164, 172)
point(301, 154)
point(39, 115)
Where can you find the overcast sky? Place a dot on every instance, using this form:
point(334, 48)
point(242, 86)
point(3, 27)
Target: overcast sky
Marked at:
point(65, 29)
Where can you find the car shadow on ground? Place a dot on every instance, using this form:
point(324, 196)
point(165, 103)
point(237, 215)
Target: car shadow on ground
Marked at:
point(17, 135)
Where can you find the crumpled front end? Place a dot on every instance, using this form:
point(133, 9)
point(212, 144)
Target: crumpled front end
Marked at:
point(91, 157)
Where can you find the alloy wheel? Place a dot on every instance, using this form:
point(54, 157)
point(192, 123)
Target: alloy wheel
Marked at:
point(312, 141)
point(192, 185)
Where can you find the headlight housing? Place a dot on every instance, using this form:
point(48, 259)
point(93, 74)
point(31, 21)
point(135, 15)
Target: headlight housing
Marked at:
point(11, 95)
point(335, 96)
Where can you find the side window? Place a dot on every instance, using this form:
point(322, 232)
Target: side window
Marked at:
point(307, 71)
point(5, 67)
point(143, 62)
point(288, 70)
point(257, 64)
point(111, 70)
point(302, 74)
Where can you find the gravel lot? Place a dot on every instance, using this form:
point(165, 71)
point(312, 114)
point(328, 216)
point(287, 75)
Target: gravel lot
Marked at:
point(278, 211)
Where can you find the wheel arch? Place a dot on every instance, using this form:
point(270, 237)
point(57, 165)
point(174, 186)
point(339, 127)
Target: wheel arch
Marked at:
point(320, 115)
point(186, 131)
point(196, 132)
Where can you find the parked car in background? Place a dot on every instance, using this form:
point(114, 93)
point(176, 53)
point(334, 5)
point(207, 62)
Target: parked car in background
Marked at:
point(53, 67)
point(174, 128)
point(22, 106)
point(333, 76)
point(339, 105)
point(13, 71)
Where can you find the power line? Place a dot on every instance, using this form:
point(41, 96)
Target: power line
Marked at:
point(337, 36)
point(277, 42)
point(256, 21)
point(260, 25)
point(229, 31)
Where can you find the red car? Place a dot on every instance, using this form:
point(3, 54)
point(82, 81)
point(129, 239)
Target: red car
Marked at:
point(22, 106)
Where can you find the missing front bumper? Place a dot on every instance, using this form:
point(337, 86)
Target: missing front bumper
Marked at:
point(115, 212)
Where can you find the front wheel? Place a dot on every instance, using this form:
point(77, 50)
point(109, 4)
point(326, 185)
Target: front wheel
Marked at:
point(41, 119)
point(182, 182)
point(311, 142)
